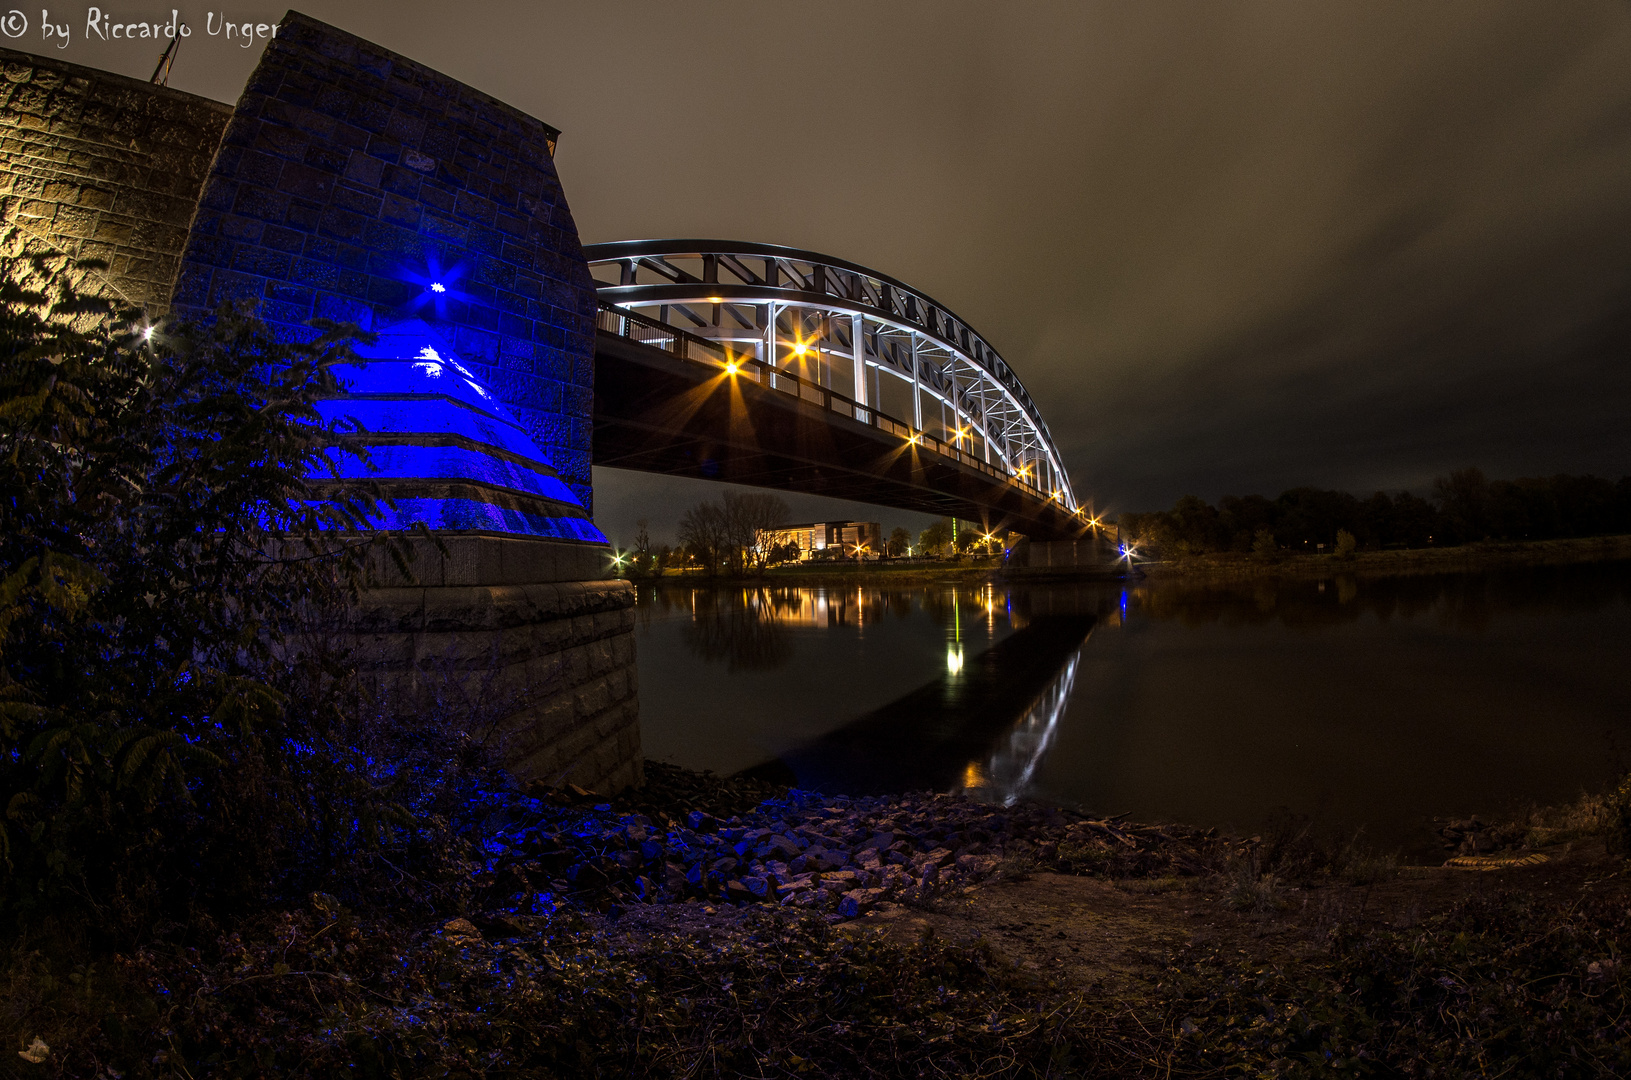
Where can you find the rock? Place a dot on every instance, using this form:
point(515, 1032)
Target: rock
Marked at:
point(826, 860)
point(976, 865)
point(701, 822)
point(761, 888)
point(738, 892)
point(785, 846)
point(788, 888)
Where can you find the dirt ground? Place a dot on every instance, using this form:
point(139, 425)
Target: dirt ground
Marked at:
point(1114, 935)
point(1118, 936)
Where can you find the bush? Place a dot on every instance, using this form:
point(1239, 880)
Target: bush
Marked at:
point(1346, 545)
point(1619, 818)
point(1264, 547)
point(165, 741)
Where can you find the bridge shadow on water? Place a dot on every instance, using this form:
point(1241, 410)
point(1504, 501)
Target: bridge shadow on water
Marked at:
point(982, 728)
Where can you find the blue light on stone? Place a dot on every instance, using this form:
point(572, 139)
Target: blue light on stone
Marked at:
point(444, 451)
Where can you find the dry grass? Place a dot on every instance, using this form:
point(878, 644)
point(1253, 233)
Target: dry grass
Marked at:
point(1589, 815)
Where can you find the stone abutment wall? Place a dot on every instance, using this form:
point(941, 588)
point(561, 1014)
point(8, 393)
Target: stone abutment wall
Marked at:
point(544, 666)
point(98, 166)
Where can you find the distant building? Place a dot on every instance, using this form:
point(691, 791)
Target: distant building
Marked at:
point(839, 538)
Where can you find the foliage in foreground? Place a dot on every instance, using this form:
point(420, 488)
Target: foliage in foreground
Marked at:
point(164, 745)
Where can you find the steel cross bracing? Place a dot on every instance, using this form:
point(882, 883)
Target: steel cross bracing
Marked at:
point(851, 330)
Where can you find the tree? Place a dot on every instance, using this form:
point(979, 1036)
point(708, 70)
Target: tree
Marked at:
point(936, 539)
point(750, 520)
point(899, 542)
point(1197, 524)
point(643, 561)
point(1463, 499)
point(1241, 518)
point(704, 534)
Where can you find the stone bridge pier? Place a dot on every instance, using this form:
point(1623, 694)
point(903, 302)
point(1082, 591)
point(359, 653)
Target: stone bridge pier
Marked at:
point(354, 184)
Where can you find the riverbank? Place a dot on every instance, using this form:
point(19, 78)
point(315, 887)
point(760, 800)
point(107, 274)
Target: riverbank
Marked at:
point(844, 574)
point(705, 926)
point(1489, 555)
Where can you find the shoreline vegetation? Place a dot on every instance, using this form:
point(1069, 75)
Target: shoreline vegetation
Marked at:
point(724, 927)
point(1215, 566)
point(903, 572)
point(1462, 558)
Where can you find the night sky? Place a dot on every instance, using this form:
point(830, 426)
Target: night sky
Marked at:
point(1229, 248)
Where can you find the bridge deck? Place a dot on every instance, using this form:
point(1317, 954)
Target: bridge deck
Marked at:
point(658, 409)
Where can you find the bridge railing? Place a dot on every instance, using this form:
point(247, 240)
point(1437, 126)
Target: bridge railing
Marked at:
point(698, 350)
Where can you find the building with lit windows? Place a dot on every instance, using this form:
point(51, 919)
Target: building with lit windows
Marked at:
point(830, 539)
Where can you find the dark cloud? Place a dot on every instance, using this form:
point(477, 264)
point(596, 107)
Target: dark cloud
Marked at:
point(1229, 247)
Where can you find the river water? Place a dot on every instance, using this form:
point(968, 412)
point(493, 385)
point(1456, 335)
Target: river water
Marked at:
point(1375, 702)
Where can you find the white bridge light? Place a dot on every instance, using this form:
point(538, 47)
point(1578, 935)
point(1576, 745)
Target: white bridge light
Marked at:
point(437, 287)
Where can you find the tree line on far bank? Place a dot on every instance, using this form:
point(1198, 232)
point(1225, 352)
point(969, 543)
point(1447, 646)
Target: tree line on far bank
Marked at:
point(1464, 507)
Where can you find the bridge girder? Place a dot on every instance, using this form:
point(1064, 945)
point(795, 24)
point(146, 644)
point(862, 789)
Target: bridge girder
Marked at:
point(668, 403)
point(845, 328)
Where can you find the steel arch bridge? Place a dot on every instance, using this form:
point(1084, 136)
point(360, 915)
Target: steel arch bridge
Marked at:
point(837, 335)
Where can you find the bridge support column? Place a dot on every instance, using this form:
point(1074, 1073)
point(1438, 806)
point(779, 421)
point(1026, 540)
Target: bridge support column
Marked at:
point(857, 335)
point(769, 358)
point(303, 211)
point(917, 390)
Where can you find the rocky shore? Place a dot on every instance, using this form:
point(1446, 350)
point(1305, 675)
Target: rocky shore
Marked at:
point(833, 855)
point(708, 926)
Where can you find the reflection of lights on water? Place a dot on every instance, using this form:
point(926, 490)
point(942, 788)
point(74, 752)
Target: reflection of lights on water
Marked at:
point(954, 659)
point(1014, 761)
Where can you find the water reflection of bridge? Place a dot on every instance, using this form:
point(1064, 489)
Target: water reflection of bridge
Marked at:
point(983, 725)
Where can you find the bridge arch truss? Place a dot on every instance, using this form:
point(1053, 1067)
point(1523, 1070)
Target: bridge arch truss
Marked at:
point(846, 328)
